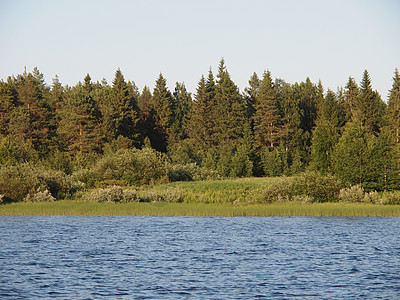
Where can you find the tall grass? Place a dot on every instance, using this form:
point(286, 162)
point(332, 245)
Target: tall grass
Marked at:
point(237, 191)
point(199, 209)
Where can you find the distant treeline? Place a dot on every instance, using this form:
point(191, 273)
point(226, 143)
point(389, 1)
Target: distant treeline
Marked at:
point(271, 128)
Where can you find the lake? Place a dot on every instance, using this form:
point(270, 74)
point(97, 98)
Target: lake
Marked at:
point(199, 257)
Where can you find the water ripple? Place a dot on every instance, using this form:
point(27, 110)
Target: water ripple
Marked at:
point(181, 258)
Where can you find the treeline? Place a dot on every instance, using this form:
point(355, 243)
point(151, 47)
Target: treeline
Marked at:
point(270, 129)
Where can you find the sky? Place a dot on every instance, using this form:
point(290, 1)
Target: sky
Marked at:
point(182, 39)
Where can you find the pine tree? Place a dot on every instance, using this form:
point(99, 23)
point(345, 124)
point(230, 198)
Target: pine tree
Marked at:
point(267, 119)
point(34, 119)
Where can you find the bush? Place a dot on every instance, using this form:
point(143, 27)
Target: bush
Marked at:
point(134, 166)
point(40, 196)
point(307, 187)
point(280, 191)
point(112, 194)
point(169, 195)
point(322, 188)
point(372, 197)
point(390, 198)
point(352, 194)
point(16, 182)
point(86, 176)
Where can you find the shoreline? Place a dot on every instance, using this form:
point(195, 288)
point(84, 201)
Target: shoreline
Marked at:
point(79, 208)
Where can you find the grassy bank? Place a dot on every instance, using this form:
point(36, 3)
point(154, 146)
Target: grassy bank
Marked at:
point(241, 191)
point(198, 209)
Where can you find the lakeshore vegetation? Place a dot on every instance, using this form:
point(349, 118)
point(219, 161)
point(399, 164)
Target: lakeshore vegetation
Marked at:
point(274, 145)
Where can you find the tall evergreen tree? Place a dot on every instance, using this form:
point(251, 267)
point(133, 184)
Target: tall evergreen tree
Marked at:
point(393, 112)
point(8, 102)
point(79, 123)
point(326, 133)
point(229, 111)
point(182, 104)
point(197, 122)
point(294, 139)
point(147, 112)
point(34, 119)
point(163, 107)
point(370, 106)
point(351, 100)
point(250, 95)
point(125, 115)
point(267, 119)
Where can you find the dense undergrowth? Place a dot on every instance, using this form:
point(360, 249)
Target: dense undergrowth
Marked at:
point(133, 175)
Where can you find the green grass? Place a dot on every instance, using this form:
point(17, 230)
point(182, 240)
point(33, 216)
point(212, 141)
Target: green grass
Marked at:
point(228, 191)
point(198, 209)
point(231, 197)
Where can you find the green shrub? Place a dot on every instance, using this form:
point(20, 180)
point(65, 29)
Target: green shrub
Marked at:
point(169, 195)
point(16, 182)
point(112, 194)
point(390, 198)
point(86, 176)
point(322, 188)
point(352, 194)
point(134, 166)
point(40, 196)
point(280, 191)
point(372, 197)
point(131, 196)
point(305, 187)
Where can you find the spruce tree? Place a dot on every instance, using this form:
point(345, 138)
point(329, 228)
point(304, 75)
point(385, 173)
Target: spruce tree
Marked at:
point(8, 102)
point(294, 140)
point(351, 95)
point(147, 113)
point(266, 120)
point(125, 115)
point(326, 133)
point(370, 106)
point(229, 111)
point(79, 120)
point(350, 156)
point(393, 113)
point(182, 104)
point(163, 107)
point(251, 95)
point(200, 123)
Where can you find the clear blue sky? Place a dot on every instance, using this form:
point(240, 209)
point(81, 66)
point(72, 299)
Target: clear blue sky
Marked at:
point(324, 40)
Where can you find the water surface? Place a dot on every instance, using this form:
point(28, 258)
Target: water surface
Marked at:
point(189, 257)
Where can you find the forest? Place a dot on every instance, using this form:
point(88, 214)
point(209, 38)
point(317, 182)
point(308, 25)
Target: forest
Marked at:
point(98, 134)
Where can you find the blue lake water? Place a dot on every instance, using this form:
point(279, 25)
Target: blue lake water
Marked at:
point(200, 258)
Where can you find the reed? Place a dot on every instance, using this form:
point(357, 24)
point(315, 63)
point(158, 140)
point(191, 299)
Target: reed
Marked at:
point(200, 209)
